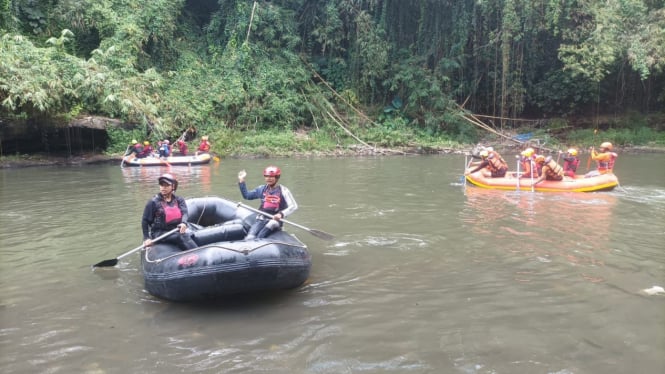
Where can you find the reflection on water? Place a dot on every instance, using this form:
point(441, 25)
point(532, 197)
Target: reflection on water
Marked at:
point(572, 228)
point(424, 276)
point(147, 176)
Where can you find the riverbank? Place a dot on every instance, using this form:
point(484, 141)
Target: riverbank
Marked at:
point(37, 160)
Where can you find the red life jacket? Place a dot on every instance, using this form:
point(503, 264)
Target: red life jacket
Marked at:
point(571, 164)
point(172, 214)
point(272, 200)
point(204, 146)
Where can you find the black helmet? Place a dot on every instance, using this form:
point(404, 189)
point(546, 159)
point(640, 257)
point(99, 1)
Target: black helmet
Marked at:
point(170, 179)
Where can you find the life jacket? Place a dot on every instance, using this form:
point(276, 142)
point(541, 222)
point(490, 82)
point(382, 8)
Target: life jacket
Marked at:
point(164, 150)
point(147, 151)
point(204, 146)
point(496, 163)
point(172, 214)
point(272, 200)
point(526, 163)
point(606, 166)
point(138, 148)
point(554, 171)
point(571, 164)
point(183, 148)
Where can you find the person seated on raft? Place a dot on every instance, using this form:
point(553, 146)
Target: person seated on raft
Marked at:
point(276, 200)
point(165, 149)
point(136, 149)
point(605, 160)
point(551, 171)
point(570, 163)
point(182, 147)
point(492, 165)
point(147, 150)
point(528, 165)
point(204, 147)
point(166, 211)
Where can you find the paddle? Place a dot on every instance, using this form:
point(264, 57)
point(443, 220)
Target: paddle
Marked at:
point(532, 170)
point(518, 172)
point(466, 166)
point(318, 233)
point(588, 161)
point(122, 163)
point(114, 261)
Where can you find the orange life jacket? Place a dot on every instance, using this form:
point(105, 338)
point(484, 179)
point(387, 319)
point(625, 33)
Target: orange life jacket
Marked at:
point(496, 163)
point(606, 165)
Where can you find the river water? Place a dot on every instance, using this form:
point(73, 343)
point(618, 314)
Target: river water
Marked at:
point(424, 275)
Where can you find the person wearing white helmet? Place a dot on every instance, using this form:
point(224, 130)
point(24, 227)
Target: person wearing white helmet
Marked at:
point(204, 146)
point(605, 160)
point(492, 164)
point(165, 212)
point(276, 200)
point(165, 149)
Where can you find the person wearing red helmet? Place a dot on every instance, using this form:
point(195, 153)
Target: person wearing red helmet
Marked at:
point(605, 160)
point(276, 200)
point(165, 212)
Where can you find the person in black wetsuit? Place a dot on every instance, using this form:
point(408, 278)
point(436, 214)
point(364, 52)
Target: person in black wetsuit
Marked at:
point(165, 212)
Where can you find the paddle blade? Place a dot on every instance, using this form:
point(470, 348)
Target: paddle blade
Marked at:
point(106, 263)
point(321, 234)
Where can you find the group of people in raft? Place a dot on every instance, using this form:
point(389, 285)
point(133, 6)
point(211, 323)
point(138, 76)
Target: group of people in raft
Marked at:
point(166, 211)
point(164, 148)
point(539, 167)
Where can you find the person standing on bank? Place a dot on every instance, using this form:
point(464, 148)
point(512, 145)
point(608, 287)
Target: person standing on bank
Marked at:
point(165, 212)
point(276, 200)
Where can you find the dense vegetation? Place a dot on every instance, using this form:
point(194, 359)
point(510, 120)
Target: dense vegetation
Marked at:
point(311, 74)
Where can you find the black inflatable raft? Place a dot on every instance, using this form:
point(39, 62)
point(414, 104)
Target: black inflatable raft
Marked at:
point(224, 263)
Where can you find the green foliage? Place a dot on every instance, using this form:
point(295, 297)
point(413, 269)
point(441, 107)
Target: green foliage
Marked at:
point(562, 93)
point(619, 137)
point(228, 68)
point(120, 140)
point(618, 31)
point(37, 80)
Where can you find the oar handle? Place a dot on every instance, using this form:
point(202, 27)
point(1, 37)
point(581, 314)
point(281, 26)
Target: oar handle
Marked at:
point(271, 216)
point(114, 261)
point(153, 240)
point(263, 213)
point(318, 233)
